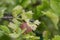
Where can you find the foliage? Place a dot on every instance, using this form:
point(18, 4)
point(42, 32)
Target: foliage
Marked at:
point(41, 15)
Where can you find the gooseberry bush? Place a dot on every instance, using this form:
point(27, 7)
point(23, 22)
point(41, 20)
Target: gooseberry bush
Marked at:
point(29, 19)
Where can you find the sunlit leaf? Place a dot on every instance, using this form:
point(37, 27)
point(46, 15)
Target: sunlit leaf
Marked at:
point(57, 37)
point(17, 10)
point(27, 15)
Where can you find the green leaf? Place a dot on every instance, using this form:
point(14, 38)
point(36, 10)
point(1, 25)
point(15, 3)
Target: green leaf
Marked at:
point(5, 22)
point(42, 7)
point(27, 15)
point(12, 26)
point(17, 10)
point(54, 18)
point(33, 1)
point(1, 33)
point(55, 5)
point(14, 35)
point(5, 37)
point(31, 37)
point(57, 37)
point(2, 10)
point(25, 3)
point(16, 21)
point(46, 35)
point(4, 29)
